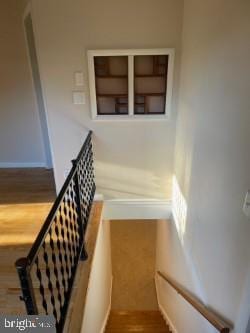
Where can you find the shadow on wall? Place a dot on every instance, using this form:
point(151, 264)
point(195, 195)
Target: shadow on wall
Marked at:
point(116, 181)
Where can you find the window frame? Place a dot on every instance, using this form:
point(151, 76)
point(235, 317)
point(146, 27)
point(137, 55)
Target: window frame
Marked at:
point(131, 53)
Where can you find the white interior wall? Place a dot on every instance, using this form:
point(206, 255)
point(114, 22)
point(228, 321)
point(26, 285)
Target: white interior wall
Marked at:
point(98, 300)
point(133, 159)
point(20, 132)
point(172, 260)
point(212, 152)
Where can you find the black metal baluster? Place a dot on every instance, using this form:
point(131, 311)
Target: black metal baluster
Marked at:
point(84, 255)
point(60, 243)
point(41, 287)
point(57, 283)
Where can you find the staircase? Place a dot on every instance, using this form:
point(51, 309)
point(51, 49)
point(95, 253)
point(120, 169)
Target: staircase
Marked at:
point(136, 321)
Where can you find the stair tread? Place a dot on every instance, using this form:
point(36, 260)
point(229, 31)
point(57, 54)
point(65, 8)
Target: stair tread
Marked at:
point(136, 321)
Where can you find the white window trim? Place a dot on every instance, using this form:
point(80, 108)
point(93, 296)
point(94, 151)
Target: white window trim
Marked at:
point(130, 53)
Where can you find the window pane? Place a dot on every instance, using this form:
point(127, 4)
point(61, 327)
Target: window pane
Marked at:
point(150, 84)
point(111, 77)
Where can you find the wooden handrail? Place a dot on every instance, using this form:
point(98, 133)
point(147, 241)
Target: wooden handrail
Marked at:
point(210, 316)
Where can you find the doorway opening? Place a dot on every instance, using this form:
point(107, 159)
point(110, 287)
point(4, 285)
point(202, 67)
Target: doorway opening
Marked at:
point(30, 38)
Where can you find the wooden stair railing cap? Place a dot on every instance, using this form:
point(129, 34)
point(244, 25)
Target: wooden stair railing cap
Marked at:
point(214, 319)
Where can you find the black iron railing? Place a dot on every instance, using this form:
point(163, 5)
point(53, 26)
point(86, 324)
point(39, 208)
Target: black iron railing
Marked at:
point(47, 273)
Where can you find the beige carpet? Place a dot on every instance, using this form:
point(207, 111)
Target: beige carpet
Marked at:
point(133, 246)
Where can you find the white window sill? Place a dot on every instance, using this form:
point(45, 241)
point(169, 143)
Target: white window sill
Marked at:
point(132, 118)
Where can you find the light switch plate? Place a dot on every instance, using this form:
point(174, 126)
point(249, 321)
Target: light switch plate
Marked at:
point(79, 80)
point(78, 97)
point(246, 207)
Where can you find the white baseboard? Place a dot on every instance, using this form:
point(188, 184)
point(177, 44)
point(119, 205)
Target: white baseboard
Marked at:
point(162, 310)
point(167, 319)
point(137, 209)
point(108, 309)
point(7, 165)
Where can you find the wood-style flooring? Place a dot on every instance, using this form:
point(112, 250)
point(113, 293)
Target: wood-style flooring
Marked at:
point(136, 321)
point(26, 196)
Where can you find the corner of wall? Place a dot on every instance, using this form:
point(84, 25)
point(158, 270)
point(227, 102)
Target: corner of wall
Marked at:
point(105, 321)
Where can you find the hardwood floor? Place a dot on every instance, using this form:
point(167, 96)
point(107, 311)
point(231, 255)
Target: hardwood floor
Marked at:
point(26, 186)
point(136, 321)
point(26, 196)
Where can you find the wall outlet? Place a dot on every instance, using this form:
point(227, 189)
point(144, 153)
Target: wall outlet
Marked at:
point(246, 206)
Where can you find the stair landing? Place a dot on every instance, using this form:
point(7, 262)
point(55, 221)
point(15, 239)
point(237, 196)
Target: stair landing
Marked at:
point(136, 321)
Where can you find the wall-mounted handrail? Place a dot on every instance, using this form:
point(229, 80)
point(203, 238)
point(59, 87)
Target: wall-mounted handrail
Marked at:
point(47, 273)
point(221, 325)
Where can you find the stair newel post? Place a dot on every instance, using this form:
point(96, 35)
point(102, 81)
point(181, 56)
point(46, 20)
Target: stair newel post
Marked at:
point(23, 270)
point(84, 254)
